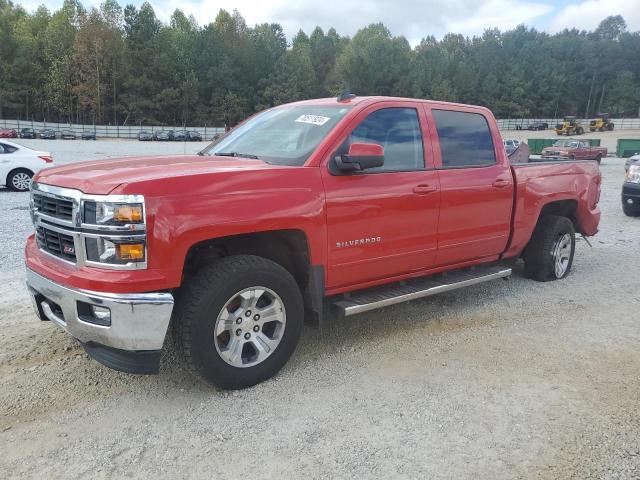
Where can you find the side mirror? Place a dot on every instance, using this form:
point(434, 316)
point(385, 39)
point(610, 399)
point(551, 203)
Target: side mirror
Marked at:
point(360, 157)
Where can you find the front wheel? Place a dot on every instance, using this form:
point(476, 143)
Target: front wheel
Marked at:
point(630, 210)
point(19, 180)
point(549, 254)
point(238, 320)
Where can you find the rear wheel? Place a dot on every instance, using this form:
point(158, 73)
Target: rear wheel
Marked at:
point(19, 180)
point(549, 254)
point(238, 320)
point(579, 131)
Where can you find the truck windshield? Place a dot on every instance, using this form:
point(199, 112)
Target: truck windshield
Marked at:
point(281, 136)
point(565, 143)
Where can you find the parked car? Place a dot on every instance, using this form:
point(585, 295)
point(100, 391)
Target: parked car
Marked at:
point(28, 133)
point(194, 136)
point(573, 150)
point(538, 126)
point(145, 136)
point(8, 133)
point(88, 135)
point(631, 187)
point(511, 145)
point(68, 135)
point(18, 164)
point(236, 245)
point(163, 135)
point(48, 134)
point(180, 136)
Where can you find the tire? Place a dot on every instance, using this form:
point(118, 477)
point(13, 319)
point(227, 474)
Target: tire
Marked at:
point(610, 127)
point(579, 131)
point(209, 301)
point(553, 241)
point(19, 180)
point(630, 210)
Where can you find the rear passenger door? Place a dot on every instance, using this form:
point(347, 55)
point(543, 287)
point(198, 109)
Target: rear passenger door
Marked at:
point(476, 186)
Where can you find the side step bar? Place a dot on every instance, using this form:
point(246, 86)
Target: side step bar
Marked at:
point(383, 296)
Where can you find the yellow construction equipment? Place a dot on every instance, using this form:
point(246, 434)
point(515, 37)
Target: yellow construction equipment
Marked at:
point(569, 126)
point(601, 123)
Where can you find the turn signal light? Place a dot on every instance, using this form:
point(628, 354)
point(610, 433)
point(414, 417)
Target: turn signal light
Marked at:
point(128, 213)
point(130, 251)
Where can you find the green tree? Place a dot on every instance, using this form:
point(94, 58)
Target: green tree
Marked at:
point(375, 62)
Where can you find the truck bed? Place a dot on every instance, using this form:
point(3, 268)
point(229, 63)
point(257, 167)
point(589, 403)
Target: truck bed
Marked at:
point(540, 183)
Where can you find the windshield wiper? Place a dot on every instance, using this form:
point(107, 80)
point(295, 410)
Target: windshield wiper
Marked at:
point(236, 154)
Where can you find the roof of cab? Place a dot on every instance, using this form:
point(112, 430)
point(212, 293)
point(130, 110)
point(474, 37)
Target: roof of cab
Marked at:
point(368, 100)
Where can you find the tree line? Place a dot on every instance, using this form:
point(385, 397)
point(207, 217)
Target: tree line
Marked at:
point(114, 65)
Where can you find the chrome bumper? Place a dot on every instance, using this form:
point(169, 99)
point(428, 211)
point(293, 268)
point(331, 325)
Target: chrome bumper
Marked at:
point(139, 321)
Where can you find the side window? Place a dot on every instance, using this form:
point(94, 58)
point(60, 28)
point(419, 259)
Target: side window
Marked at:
point(398, 131)
point(465, 139)
point(1, 148)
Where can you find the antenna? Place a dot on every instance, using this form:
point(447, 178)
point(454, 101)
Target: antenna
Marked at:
point(346, 95)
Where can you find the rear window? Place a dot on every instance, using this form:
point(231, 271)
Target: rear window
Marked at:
point(465, 139)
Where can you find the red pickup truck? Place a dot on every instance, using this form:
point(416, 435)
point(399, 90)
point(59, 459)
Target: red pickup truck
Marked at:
point(322, 207)
point(573, 150)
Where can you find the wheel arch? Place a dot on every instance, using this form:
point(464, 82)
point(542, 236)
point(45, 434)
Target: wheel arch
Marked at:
point(288, 248)
point(564, 208)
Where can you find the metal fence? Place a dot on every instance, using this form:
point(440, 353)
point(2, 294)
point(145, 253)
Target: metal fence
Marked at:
point(131, 131)
point(126, 131)
point(522, 123)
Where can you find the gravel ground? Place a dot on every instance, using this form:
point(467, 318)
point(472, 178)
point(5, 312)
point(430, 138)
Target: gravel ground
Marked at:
point(509, 379)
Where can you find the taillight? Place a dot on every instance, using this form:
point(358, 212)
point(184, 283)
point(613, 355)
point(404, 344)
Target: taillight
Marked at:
point(46, 158)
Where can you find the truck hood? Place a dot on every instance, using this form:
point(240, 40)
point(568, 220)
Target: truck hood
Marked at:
point(103, 176)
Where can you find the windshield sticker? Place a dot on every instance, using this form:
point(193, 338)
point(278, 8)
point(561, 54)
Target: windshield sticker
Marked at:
point(313, 119)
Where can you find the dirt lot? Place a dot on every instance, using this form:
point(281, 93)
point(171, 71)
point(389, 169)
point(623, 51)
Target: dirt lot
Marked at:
point(510, 379)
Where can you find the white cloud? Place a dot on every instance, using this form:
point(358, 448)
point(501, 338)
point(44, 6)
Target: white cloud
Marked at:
point(415, 19)
point(586, 15)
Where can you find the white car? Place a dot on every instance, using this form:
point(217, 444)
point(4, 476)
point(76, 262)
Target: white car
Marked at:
point(18, 164)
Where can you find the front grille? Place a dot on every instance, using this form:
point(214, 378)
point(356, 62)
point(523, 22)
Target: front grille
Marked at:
point(59, 244)
point(53, 207)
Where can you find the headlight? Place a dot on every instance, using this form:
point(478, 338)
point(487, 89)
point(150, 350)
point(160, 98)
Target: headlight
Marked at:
point(109, 213)
point(115, 232)
point(633, 174)
point(115, 251)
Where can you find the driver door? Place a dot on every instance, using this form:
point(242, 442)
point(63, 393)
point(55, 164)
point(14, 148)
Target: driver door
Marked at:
point(383, 222)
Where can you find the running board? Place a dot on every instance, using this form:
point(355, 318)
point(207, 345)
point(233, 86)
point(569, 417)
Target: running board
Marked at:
point(383, 296)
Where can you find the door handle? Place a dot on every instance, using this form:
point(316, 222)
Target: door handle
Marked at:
point(500, 183)
point(424, 189)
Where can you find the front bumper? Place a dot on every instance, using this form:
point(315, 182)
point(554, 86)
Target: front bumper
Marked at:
point(137, 328)
point(631, 194)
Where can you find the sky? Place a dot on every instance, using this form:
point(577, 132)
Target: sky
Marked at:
point(415, 19)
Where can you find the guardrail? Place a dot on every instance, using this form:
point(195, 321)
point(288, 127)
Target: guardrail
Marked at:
point(131, 131)
point(126, 131)
point(522, 123)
